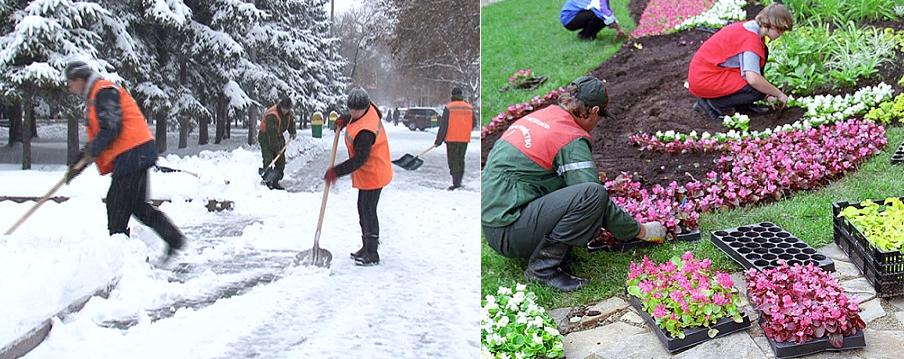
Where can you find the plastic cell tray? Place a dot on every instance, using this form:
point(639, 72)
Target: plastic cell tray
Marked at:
point(763, 245)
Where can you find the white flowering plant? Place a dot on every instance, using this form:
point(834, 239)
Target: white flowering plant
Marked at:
point(722, 12)
point(737, 121)
point(513, 326)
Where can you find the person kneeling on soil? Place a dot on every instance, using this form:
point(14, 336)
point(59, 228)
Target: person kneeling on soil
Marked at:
point(589, 16)
point(541, 192)
point(369, 165)
point(727, 71)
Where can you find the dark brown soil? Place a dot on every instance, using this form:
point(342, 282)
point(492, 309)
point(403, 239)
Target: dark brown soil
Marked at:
point(647, 93)
point(636, 8)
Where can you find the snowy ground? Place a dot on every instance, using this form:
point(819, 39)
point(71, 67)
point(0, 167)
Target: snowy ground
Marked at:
point(233, 292)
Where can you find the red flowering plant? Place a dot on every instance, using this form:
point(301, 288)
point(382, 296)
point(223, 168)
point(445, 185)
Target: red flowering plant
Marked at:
point(801, 303)
point(684, 293)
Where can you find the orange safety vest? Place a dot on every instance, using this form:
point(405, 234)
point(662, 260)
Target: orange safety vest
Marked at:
point(460, 122)
point(541, 134)
point(376, 173)
point(134, 132)
point(271, 111)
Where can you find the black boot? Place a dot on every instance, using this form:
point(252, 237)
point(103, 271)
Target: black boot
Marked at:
point(275, 185)
point(705, 108)
point(456, 181)
point(360, 252)
point(544, 263)
point(753, 109)
point(370, 256)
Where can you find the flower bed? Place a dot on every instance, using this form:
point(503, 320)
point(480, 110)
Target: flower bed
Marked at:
point(661, 16)
point(512, 325)
point(685, 298)
point(802, 304)
point(722, 13)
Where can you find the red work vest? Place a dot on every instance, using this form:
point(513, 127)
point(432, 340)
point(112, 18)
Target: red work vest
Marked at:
point(706, 79)
point(540, 135)
point(460, 122)
point(134, 131)
point(377, 171)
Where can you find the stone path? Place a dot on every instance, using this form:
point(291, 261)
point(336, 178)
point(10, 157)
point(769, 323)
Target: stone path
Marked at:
point(612, 329)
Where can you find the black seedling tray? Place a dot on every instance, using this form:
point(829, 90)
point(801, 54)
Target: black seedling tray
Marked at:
point(885, 262)
point(626, 246)
point(898, 156)
point(886, 284)
point(762, 245)
point(692, 336)
point(793, 350)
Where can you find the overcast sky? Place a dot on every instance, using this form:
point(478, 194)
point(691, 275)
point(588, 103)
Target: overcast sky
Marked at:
point(342, 6)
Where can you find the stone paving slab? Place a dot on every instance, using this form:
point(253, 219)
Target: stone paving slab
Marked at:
point(845, 270)
point(740, 345)
point(580, 345)
point(871, 310)
point(645, 345)
point(605, 308)
point(859, 288)
point(832, 251)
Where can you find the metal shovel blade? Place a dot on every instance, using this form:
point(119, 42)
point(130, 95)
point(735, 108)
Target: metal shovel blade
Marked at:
point(404, 160)
point(414, 164)
point(317, 257)
point(269, 175)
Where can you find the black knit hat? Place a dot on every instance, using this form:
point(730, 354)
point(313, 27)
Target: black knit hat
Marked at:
point(286, 103)
point(78, 70)
point(456, 91)
point(358, 99)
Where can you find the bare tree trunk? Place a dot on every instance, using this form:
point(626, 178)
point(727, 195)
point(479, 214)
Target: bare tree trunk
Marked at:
point(34, 122)
point(161, 131)
point(72, 145)
point(229, 128)
point(183, 134)
point(26, 131)
point(203, 136)
point(220, 120)
point(15, 123)
point(252, 125)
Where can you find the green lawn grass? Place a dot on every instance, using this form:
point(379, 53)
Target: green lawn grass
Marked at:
point(521, 34)
point(807, 215)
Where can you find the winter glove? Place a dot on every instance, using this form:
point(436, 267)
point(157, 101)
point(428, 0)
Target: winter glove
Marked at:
point(84, 160)
point(291, 136)
point(342, 121)
point(653, 232)
point(330, 175)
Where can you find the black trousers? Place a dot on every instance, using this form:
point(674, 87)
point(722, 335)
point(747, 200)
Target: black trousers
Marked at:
point(367, 212)
point(746, 96)
point(127, 197)
point(588, 23)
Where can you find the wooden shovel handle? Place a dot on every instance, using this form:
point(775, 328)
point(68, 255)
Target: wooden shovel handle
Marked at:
point(425, 151)
point(81, 163)
point(272, 163)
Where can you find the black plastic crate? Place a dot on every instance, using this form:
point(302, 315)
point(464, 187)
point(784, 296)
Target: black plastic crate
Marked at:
point(762, 245)
point(794, 350)
point(883, 261)
point(898, 156)
point(885, 284)
point(692, 336)
point(626, 246)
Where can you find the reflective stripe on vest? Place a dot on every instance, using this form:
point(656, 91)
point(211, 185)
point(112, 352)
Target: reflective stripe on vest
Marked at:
point(541, 134)
point(271, 111)
point(575, 166)
point(461, 120)
point(376, 173)
point(134, 130)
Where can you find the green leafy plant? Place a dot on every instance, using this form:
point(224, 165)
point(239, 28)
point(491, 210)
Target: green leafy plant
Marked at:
point(888, 111)
point(883, 225)
point(512, 325)
point(842, 11)
point(684, 293)
point(736, 121)
point(857, 53)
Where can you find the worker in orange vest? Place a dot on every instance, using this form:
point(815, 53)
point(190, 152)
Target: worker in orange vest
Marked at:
point(455, 131)
point(119, 142)
point(276, 120)
point(370, 167)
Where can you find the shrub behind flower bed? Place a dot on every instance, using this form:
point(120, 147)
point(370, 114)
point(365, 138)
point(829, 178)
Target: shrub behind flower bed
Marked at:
point(512, 325)
point(684, 293)
point(802, 303)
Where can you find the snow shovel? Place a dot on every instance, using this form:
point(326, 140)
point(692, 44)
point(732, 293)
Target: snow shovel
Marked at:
point(165, 169)
point(81, 163)
point(317, 256)
point(410, 162)
point(269, 174)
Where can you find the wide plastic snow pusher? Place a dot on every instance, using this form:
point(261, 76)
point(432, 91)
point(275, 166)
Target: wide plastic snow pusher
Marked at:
point(317, 256)
point(410, 162)
point(269, 174)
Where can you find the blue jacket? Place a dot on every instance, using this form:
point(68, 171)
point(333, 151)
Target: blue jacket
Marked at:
point(600, 8)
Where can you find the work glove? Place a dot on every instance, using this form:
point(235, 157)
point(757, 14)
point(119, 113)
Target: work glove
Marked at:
point(76, 168)
point(654, 232)
point(330, 175)
point(342, 121)
point(291, 136)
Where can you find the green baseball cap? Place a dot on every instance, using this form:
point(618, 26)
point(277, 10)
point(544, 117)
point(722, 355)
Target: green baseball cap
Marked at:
point(592, 92)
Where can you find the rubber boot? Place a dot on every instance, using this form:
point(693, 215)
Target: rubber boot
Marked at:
point(543, 266)
point(275, 185)
point(370, 256)
point(456, 181)
point(359, 252)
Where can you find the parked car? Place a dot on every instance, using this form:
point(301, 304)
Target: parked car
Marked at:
point(418, 118)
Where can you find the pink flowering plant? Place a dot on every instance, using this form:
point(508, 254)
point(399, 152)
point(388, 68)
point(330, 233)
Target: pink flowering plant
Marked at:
point(684, 293)
point(520, 77)
point(514, 112)
point(802, 303)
